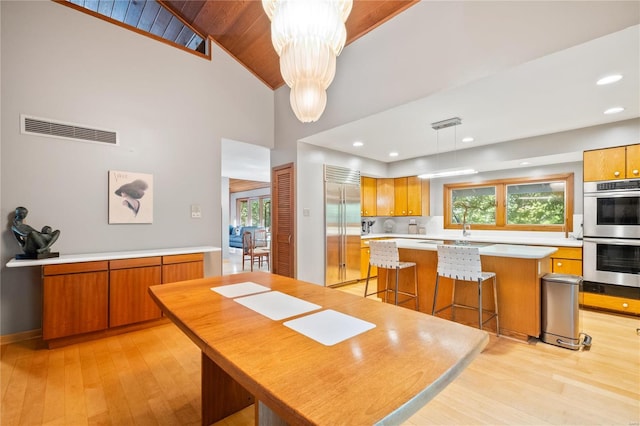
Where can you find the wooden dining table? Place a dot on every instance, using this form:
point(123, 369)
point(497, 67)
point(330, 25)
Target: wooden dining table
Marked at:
point(381, 375)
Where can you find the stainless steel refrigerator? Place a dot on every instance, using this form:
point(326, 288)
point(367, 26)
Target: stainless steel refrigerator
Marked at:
point(342, 224)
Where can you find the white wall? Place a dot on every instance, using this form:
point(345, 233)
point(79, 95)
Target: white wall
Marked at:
point(171, 110)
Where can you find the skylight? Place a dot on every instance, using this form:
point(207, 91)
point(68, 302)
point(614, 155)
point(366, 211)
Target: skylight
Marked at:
point(148, 16)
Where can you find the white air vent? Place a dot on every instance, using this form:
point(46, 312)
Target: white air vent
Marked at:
point(47, 127)
point(338, 174)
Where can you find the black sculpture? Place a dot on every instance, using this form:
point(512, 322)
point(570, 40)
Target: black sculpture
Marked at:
point(36, 245)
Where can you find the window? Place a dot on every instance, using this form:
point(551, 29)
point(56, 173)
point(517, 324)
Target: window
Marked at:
point(151, 18)
point(254, 211)
point(531, 204)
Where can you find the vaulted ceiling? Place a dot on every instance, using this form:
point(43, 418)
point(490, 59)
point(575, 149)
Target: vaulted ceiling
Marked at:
point(243, 29)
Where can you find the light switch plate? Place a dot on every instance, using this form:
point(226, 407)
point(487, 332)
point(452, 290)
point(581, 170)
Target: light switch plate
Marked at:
point(196, 213)
point(306, 212)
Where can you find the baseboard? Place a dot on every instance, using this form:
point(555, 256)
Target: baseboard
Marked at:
point(19, 337)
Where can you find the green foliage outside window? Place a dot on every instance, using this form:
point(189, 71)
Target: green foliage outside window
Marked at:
point(244, 213)
point(474, 205)
point(266, 213)
point(255, 212)
point(539, 203)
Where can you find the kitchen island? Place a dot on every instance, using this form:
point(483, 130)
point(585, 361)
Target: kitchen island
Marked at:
point(518, 270)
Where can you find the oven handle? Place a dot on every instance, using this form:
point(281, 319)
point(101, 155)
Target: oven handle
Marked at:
point(613, 241)
point(617, 194)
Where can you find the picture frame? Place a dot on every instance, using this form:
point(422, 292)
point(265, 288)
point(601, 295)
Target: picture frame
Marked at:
point(130, 197)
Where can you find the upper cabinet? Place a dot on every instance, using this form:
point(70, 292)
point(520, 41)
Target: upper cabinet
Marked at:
point(621, 162)
point(411, 196)
point(633, 161)
point(404, 196)
point(368, 202)
point(385, 196)
point(400, 200)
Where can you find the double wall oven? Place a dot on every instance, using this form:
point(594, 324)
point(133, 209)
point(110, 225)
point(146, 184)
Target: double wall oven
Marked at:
point(611, 249)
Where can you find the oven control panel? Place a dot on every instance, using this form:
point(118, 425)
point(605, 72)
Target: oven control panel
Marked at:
point(619, 185)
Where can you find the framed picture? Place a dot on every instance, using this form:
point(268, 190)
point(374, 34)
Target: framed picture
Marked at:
point(130, 197)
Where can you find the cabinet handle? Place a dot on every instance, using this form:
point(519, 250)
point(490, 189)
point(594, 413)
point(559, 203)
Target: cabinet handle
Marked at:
point(559, 264)
point(634, 171)
point(404, 212)
point(616, 174)
point(625, 305)
point(410, 211)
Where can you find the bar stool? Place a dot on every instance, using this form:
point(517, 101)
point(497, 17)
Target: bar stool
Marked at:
point(384, 254)
point(462, 263)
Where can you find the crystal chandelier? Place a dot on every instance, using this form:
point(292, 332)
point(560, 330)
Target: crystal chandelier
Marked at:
point(308, 35)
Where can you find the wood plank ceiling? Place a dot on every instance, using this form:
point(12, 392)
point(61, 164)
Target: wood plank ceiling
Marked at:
point(243, 29)
point(240, 185)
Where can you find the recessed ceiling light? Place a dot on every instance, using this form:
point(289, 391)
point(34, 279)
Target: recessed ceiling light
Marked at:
point(614, 110)
point(393, 154)
point(609, 79)
point(467, 139)
point(358, 144)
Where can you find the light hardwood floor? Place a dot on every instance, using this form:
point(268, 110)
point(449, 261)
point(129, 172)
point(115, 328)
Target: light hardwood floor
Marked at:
point(232, 264)
point(152, 377)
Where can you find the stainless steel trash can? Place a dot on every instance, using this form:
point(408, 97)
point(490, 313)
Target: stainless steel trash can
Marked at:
point(560, 312)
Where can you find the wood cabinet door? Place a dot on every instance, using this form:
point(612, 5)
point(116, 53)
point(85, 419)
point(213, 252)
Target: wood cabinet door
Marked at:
point(364, 264)
point(129, 300)
point(604, 164)
point(385, 196)
point(633, 161)
point(610, 303)
point(414, 196)
point(567, 266)
point(182, 271)
point(426, 197)
point(368, 196)
point(75, 304)
point(400, 196)
point(283, 220)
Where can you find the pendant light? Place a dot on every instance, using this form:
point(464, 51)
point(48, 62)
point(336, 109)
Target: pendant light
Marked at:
point(308, 35)
point(437, 126)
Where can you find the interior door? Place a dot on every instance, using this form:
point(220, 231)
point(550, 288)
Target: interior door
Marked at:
point(283, 224)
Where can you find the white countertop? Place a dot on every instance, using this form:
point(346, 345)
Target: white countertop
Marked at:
point(498, 250)
point(528, 240)
point(90, 257)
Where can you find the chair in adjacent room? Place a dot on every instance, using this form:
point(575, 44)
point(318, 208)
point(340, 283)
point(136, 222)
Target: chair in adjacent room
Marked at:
point(251, 253)
point(462, 263)
point(384, 255)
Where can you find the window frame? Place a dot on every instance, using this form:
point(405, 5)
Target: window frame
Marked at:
point(501, 203)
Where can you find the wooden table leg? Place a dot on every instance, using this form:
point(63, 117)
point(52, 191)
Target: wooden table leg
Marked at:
point(221, 394)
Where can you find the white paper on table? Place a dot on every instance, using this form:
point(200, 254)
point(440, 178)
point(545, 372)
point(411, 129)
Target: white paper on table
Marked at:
point(329, 327)
point(277, 305)
point(240, 289)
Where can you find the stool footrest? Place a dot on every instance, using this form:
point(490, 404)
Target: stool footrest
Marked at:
point(492, 314)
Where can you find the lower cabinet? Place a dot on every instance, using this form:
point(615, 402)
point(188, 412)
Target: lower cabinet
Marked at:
point(611, 303)
point(182, 267)
point(88, 297)
point(567, 260)
point(129, 281)
point(364, 261)
point(75, 297)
